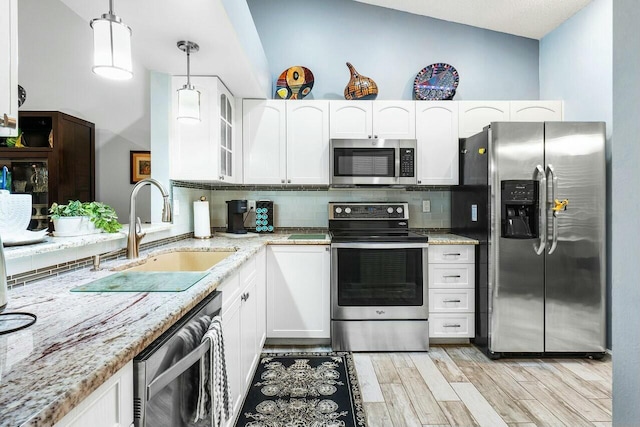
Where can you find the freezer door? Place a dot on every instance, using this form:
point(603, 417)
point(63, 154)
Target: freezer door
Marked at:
point(575, 262)
point(516, 271)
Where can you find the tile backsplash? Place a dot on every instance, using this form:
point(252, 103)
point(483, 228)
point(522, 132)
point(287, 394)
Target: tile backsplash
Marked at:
point(308, 208)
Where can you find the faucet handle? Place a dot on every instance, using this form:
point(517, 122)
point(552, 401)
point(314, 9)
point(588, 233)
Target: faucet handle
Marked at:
point(139, 233)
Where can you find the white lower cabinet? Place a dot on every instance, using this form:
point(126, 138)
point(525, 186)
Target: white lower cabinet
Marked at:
point(451, 291)
point(298, 291)
point(243, 325)
point(110, 405)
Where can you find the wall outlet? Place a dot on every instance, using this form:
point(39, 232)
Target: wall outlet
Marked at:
point(251, 205)
point(176, 207)
point(426, 206)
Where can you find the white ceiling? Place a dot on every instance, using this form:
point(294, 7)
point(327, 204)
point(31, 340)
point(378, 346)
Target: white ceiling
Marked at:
point(528, 18)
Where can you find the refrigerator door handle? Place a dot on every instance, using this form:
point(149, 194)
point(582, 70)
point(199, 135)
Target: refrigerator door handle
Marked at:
point(554, 186)
point(542, 219)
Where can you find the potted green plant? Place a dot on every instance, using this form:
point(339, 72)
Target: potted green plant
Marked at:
point(77, 218)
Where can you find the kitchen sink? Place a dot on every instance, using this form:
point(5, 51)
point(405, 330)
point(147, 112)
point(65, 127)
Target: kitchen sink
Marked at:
point(182, 261)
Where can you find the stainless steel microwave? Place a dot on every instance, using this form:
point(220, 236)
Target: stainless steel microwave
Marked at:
point(373, 162)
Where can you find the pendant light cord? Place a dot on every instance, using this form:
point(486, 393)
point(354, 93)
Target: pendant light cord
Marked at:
point(188, 65)
point(110, 7)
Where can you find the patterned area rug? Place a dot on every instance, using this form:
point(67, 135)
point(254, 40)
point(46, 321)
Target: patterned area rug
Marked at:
point(304, 390)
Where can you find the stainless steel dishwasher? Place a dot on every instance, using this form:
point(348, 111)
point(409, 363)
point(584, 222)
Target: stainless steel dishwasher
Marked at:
point(167, 373)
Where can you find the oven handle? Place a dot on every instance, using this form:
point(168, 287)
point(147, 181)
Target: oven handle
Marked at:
point(177, 369)
point(394, 245)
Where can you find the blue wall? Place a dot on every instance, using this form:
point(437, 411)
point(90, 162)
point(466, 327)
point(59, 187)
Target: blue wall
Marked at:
point(576, 66)
point(626, 215)
point(391, 47)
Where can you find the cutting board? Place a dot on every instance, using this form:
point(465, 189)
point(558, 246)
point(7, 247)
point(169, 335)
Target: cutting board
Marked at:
point(143, 281)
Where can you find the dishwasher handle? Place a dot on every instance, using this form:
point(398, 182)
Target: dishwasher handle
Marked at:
point(177, 369)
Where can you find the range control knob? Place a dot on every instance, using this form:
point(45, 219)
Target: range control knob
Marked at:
point(399, 210)
point(347, 210)
point(390, 210)
point(338, 210)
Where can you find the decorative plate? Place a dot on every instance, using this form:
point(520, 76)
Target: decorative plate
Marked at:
point(436, 82)
point(294, 83)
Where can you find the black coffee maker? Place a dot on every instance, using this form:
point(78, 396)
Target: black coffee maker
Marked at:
point(236, 209)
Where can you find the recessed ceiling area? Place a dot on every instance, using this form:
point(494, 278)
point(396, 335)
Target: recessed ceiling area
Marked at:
point(527, 18)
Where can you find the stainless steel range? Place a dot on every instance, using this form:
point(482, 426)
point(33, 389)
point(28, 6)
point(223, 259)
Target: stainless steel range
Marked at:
point(379, 291)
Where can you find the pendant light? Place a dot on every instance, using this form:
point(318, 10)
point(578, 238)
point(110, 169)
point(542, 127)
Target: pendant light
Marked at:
point(188, 96)
point(111, 47)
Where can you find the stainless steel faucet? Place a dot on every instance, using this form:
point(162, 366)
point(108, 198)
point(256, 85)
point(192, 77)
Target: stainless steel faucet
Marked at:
point(135, 226)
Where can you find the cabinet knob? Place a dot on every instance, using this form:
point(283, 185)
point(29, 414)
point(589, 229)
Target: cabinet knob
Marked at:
point(221, 178)
point(8, 122)
point(289, 181)
point(375, 136)
point(369, 136)
point(419, 182)
point(282, 181)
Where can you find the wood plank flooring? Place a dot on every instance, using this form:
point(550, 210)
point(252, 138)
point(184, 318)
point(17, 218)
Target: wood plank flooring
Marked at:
point(458, 386)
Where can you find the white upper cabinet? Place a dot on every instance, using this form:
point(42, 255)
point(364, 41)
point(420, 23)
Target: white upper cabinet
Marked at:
point(308, 142)
point(351, 119)
point(204, 151)
point(9, 67)
point(286, 142)
point(437, 135)
point(373, 119)
point(476, 115)
point(264, 141)
point(394, 119)
point(536, 111)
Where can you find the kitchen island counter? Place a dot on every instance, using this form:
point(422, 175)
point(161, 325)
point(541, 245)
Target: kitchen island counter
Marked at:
point(82, 338)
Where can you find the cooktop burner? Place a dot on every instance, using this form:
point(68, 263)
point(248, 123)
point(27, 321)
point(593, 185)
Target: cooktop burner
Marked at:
point(376, 236)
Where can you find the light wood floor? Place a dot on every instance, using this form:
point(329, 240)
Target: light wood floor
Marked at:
point(459, 386)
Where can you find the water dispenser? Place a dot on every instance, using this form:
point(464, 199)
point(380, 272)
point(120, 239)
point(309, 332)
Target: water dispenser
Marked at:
point(519, 208)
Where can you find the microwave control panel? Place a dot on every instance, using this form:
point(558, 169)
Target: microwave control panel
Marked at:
point(407, 162)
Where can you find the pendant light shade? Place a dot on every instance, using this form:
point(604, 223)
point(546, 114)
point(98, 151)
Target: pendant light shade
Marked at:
point(111, 47)
point(188, 96)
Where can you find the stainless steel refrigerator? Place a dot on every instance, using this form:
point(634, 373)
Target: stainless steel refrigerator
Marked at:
point(534, 195)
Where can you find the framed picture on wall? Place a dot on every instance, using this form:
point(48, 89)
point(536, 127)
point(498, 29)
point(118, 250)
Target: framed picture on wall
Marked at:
point(140, 165)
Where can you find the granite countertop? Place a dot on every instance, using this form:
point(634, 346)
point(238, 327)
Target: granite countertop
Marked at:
point(450, 239)
point(82, 339)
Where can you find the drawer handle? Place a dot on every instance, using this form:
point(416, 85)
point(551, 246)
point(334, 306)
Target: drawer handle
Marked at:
point(452, 254)
point(451, 300)
point(451, 325)
point(455, 276)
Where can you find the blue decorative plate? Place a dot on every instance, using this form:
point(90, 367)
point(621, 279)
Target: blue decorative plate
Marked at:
point(436, 82)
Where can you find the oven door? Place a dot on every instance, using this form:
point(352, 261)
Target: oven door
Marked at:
point(379, 281)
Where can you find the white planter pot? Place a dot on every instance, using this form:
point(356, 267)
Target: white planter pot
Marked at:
point(69, 226)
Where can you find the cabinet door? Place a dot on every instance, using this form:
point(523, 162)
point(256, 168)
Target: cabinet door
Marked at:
point(109, 405)
point(476, 115)
point(308, 142)
point(394, 119)
point(9, 64)
point(536, 111)
point(249, 332)
point(231, 331)
point(226, 146)
point(261, 296)
point(437, 135)
point(298, 291)
point(351, 119)
point(194, 146)
point(264, 141)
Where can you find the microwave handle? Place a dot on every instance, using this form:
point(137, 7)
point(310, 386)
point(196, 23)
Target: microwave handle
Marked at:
point(397, 161)
point(177, 369)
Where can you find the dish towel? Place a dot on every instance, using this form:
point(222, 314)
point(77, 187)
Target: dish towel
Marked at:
point(214, 397)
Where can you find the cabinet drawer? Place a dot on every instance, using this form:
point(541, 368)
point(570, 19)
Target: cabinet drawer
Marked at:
point(451, 300)
point(230, 289)
point(451, 276)
point(451, 325)
point(451, 253)
point(248, 271)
